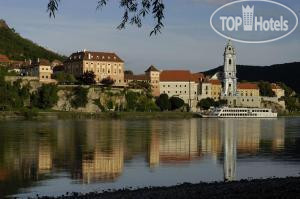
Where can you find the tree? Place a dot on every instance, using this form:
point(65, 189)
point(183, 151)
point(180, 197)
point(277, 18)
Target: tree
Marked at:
point(221, 102)
point(131, 99)
point(45, 97)
point(176, 103)
point(64, 78)
point(128, 72)
point(80, 98)
point(146, 86)
point(265, 89)
point(163, 102)
point(108, 81)
point(205, 104)
point(88, 78)
point(146, 104)
point(134, 12)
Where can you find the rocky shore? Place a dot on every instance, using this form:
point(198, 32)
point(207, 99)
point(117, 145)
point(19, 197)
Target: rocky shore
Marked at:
point(283, 188)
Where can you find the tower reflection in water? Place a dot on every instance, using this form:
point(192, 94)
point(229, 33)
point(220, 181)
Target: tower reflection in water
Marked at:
point(229, 131)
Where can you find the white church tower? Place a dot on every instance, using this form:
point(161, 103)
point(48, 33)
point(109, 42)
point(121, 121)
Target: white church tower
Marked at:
point(229, 73)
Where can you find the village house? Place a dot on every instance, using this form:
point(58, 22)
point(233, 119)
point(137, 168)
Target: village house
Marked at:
point(40, 68)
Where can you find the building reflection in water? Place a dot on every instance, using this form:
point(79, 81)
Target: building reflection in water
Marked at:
point(177, 144)
point(104, 159)
point(95, 151)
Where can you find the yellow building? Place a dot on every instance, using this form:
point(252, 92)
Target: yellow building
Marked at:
point(103, 64)
point(216, 89)
point(248, 90)
point(279, 92)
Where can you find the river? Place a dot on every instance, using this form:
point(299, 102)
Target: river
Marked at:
point(52, 157)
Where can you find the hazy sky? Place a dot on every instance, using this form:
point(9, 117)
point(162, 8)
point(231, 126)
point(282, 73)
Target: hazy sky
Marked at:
point(187, 41)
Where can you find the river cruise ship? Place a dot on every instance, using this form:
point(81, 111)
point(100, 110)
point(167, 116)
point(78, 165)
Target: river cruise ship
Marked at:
point(227, 112)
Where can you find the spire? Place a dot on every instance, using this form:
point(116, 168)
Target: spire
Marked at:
point(229, 49)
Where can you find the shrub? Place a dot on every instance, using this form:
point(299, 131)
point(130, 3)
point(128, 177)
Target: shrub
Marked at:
point(132, 100)
point(88, 78)
point(65, 78)
point(176, 103)
point(80, 98)
point(98, 103)
point(163, 102)
point(107, 81)
point(45, 97)
point(265, 89)
point(205, 104)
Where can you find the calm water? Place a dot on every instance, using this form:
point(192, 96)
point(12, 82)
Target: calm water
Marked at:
point(55, 157)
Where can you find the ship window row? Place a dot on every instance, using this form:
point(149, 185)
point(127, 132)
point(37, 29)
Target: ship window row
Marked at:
point(261, 111)
point(237, 115)
point(234, 110)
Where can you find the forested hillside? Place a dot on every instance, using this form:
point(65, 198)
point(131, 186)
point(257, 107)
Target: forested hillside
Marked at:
point(288, 73)
point(17, 48)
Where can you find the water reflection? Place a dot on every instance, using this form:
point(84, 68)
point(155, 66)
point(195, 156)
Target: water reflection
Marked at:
point(94, 151)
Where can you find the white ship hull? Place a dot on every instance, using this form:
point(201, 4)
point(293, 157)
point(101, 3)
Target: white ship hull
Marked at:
point(227, 112)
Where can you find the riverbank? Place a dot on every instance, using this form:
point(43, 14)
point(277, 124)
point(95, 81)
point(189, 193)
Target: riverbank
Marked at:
point(294, 114)
point(103, 115)
point(283, 188)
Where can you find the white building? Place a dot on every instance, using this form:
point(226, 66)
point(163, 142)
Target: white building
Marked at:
point(179, 83)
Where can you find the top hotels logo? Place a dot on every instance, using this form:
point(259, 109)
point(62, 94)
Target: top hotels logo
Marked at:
point(254, 21)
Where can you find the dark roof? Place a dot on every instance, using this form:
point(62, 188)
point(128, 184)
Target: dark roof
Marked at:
point(136, 77)
point(176, 75)
point(95, 56)
point(152, 68)
point(43, 62)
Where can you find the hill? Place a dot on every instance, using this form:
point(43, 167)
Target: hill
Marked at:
point(288, 73)
point(18, 48)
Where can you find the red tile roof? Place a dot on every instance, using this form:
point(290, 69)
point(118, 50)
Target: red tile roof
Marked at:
point(4, 59)
point(95, 56)
point(198, 77)
point(176, 75)
point(215, 82)
point(247, 86)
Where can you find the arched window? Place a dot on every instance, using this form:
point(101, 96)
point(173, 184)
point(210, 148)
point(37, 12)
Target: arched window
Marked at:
point(230, 61)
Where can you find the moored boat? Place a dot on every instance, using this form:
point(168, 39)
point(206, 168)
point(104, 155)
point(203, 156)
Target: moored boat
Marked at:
point(227, 112)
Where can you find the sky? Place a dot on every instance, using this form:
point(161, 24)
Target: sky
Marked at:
point(187, 41)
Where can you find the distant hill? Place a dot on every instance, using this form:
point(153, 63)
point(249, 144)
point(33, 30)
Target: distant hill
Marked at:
point(288, 73)
point(17, 48)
